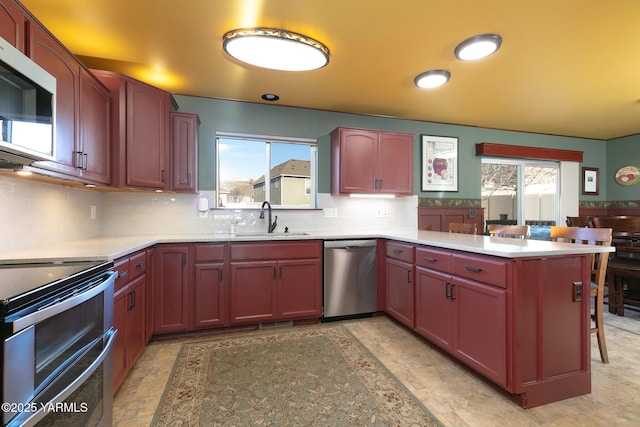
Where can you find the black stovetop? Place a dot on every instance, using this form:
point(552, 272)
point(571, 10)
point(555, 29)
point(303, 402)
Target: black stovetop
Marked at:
point(22, 284)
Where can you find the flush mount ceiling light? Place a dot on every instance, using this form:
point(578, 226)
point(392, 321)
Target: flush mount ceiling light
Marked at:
point(478, 47)
point(432, 79)
point(275, 49)
point(271, 97)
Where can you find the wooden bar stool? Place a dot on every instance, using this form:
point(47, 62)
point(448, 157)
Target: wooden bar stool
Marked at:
point(591, 236)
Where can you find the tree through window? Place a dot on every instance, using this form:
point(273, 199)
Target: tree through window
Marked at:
point(519, 191)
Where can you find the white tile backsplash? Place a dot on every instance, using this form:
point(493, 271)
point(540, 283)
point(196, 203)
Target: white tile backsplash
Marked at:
point(35, 214)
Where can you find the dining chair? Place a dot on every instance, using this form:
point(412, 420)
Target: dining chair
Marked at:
point(579, 221)
point(514, 231)
point(463, 228)
point(591, 236)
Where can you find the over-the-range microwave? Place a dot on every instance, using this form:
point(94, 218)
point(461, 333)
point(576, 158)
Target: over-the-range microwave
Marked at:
point(27, 109)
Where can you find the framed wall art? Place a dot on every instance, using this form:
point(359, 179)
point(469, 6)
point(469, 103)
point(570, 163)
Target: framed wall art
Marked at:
point(439, 163)
point(591, 181)
point(628, 175)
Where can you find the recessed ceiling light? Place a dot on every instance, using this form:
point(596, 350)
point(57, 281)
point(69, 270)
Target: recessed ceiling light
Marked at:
point(275, 49)
point(478, 47)
point(271, 97)
point(432, 79)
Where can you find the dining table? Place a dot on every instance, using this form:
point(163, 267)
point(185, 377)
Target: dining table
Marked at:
point(623, 273)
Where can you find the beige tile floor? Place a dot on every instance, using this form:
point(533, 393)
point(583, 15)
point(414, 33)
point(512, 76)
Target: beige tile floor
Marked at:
point(456, 396)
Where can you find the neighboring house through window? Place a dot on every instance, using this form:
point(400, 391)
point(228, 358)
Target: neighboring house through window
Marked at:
point(246, 163)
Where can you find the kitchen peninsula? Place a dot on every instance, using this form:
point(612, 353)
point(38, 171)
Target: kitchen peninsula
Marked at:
point(512, 310)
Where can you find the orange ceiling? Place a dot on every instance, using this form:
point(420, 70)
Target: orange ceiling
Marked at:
point(566, 67)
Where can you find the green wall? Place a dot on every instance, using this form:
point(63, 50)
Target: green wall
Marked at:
point(232, 116)
point(621, 152)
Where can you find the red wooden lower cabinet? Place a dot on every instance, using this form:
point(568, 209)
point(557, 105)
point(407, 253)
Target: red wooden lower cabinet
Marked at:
point(171, 289)
point(299, 288)
point(479, 322)
point(275, 281)
point(129, 314)
point(208, 292)
point(514, 321)
point(253, 292)
point(400, 292)
point(465, 318)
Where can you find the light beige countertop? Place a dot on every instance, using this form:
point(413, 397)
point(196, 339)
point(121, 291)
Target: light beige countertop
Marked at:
point(110, 248)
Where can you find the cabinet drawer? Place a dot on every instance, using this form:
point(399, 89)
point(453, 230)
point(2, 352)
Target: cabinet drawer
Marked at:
point(121, 267)
point(209, 253)
point(483, 269)
point(434, 259)
point(275, 251)
point(137, 265)
point(400, 251)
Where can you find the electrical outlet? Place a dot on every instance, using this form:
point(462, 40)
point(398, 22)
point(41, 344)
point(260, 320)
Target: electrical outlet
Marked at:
point(330, 212)
point(577, 291)
point(385, 212)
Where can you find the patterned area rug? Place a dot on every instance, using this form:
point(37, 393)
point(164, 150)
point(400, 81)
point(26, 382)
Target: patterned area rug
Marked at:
point(303, 376)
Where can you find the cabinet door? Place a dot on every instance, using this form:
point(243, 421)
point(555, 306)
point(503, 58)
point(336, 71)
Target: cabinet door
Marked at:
point(147, 132)
point(171, 289)
point(119, 353)
point(396, 163)
point(184, 157)
point(51, 56)
point(253, 292)
point(434, 307)
point(208, 296)
point(136, 328)
point(480, 328)
point(12, 20)
point(400, 292)
point(355, 161)
point(299, 288)
point(149, 309)
point(95, 129)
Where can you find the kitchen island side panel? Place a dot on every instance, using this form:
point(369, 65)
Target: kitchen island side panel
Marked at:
point(551, 329)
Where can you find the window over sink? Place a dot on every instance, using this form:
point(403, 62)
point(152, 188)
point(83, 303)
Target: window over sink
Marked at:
point(252, 169)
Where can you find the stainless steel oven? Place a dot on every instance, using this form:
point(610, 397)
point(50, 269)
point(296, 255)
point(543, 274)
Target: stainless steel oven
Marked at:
point(57, 335)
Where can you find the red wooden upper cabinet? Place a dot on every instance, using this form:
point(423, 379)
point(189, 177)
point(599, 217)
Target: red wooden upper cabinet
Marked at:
point(184, 152)
point(12, 20)
point(140, 132)
point(370, 162)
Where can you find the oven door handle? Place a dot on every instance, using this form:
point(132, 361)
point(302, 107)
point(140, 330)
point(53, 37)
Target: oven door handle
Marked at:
point(63, 305)
point(34, 417)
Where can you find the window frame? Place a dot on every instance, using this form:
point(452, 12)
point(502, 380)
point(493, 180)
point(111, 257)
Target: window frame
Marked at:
point(522, 164)
point(268, 140)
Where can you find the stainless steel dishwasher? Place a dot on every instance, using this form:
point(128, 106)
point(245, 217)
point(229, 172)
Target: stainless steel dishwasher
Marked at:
point(350, 286)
